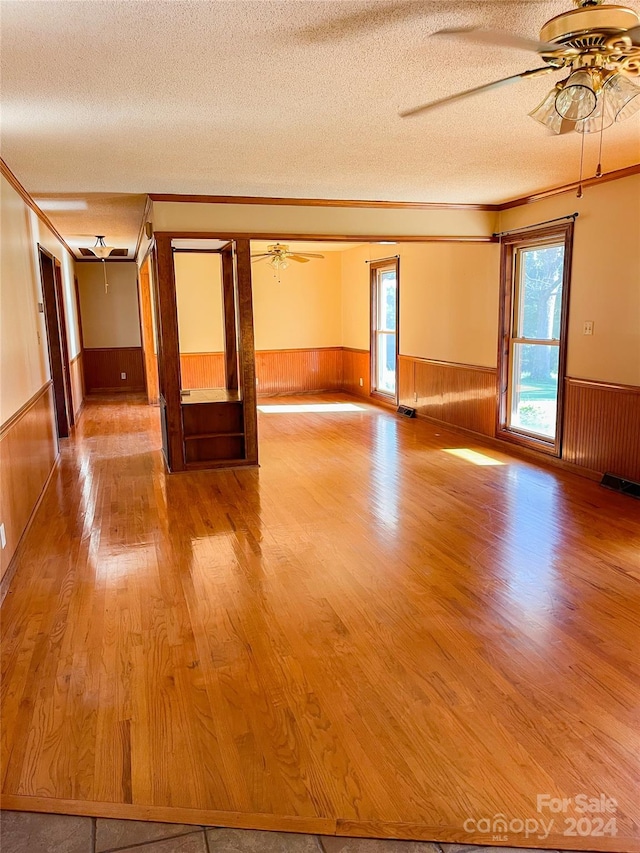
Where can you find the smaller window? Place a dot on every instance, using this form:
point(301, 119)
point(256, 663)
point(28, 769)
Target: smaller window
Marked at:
point(384, 328)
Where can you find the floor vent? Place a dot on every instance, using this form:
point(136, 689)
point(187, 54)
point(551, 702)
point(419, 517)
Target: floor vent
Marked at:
point(407, 411)
point(619, 484)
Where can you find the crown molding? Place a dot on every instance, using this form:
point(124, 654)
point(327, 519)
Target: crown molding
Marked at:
point(586, 182)
point(317, 202)
point(22, 192)
point(396, 205)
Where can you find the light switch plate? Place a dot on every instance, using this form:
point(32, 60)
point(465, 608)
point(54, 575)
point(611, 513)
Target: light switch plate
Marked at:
point(123, 376)
point(3, 536)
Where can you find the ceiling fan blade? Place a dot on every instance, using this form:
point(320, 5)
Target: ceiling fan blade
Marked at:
point(383, 15)
point(486, 87)
point(634, 34)
point(500, 38)
point(255, 259)
point(299, 258)
point(308, 255)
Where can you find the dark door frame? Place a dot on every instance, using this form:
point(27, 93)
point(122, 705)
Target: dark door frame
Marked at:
point(57, 345)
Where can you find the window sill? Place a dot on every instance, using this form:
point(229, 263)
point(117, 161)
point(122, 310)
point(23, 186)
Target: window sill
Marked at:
point(551, 448)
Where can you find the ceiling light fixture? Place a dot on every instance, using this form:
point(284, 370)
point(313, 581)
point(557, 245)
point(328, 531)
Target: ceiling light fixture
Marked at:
point(101, 250)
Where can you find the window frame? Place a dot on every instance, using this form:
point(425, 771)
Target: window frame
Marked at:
point(376, 267)
point(511, 245)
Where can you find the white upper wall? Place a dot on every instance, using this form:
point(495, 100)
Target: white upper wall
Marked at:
point(199, 302)
point(109, 319)
point(605, 279)
point(300, 308)
point(316, 220)
point(23, 344)
point(448, 299)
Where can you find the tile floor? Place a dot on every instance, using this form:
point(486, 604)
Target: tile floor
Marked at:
point(28, 832)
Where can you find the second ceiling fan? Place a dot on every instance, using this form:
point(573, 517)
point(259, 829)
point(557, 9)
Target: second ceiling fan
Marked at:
point(279, 256)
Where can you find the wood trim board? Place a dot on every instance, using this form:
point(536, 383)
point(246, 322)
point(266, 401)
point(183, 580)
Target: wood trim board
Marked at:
point(340, 827)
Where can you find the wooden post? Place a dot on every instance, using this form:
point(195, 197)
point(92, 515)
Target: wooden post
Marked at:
point(169, 353)
point(230, 330)
point(247, 349)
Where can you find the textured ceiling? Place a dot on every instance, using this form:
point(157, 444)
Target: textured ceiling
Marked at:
point(238, 98)
point(79, 217)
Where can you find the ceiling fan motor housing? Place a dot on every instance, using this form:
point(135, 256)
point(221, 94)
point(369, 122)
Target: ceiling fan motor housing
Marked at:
point(594, 35)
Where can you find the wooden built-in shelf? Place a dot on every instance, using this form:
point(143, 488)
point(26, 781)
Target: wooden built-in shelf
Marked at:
point(212, 435)
point(208, 427)
point(209, 395)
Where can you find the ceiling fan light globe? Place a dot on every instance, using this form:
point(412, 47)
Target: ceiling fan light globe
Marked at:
point(546, 112)
point(622, 95)
point(600, 119)
point(577, 99)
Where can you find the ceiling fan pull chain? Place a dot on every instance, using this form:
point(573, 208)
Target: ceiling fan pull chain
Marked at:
point(599, 166)
point(579, 194)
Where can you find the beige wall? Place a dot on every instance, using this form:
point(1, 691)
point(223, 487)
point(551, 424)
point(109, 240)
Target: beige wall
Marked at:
point(23, 347)
point(449, 291)
point(301, 310)
point(199, 298)
point(295, 219)
point(109, 319)
point(448, 299)
point(605, 281)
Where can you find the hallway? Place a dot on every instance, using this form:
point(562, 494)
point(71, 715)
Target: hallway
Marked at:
point(388, 629)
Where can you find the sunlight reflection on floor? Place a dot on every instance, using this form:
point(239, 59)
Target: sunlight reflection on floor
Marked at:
point(302, 408)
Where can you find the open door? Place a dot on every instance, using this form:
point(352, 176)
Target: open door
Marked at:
point(51, 276)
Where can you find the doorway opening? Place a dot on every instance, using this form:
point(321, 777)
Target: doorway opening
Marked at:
point(57, 345)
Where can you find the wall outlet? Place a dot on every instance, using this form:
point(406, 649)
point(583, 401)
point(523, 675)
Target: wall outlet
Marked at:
point(41, 307)
point(361, 382)
point(587, 329)
point(3, 536)
point(123, 376)
point(257, 380)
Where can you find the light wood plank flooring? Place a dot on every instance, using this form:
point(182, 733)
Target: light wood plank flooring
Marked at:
point(386, 630)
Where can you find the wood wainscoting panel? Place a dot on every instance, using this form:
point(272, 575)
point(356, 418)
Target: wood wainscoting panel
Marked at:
point(76, 373)
point(28, 451)
point(602, 427)
point(294, 370)
point(103, 368)
point(202, 369)
point(463, 395)
point(356, 365)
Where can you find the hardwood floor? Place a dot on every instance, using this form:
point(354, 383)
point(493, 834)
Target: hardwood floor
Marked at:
point(386, 630)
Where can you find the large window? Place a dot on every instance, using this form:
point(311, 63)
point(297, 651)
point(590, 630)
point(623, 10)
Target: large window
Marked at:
point(535, 297)
point(384, 327)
